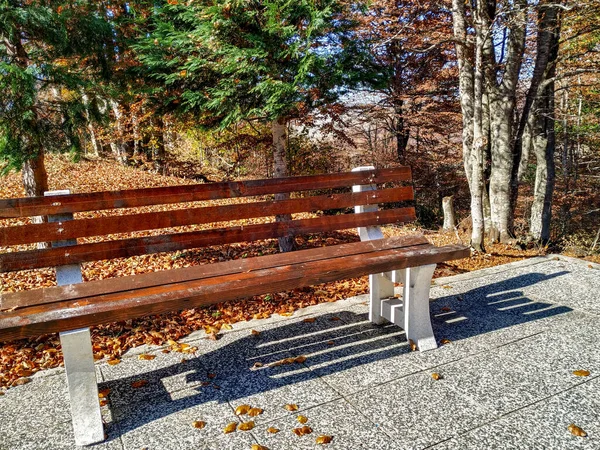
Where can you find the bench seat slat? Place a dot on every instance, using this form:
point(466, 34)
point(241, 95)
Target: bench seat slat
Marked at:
point(43, 232)
point(14, 300)
point(39, 206)
point(69, 314)
point(61, 256)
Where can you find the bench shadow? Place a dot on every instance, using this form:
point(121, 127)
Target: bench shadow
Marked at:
point(334, 343)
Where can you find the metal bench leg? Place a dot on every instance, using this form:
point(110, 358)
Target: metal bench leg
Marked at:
point(83, 388)
point(380, 288)
point(417, 321)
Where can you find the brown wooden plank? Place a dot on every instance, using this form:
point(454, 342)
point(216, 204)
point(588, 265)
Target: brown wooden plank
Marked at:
point(54, 231)
point(81, 313)
point(60, 256)
point(36, 206)
point(11, 301)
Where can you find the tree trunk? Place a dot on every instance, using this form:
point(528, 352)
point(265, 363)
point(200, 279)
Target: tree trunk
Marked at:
point(449, 217)
point(544, 134)
point(279, 129)
point(118, 146)
point(35, 178)
point(470, 85)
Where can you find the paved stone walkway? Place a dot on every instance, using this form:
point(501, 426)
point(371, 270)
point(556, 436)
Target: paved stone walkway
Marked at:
point(517, 332)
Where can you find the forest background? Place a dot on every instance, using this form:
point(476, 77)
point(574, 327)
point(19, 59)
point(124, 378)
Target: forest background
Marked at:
point(494, 103)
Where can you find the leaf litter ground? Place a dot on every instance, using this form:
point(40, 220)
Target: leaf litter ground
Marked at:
point(20, 359)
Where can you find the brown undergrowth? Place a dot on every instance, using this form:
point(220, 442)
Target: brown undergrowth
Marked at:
point(20, 359)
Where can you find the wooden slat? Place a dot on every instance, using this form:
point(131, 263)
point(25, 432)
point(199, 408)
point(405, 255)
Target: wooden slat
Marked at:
point(60, 256)
point(37, 206)
point(28, 234)
point(91, 311)
point(11, 301)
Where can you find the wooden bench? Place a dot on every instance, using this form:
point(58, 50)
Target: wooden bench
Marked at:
point(72, 306)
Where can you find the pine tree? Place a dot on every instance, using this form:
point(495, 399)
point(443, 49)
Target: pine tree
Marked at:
point(50, 54)
point(271, 61)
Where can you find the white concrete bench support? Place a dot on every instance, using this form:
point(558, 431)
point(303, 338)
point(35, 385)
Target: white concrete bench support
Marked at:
point(79, 359)
point(411, 312)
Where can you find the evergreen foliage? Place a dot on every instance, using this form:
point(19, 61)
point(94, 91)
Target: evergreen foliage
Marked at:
point(50, 53)
point(231, 60)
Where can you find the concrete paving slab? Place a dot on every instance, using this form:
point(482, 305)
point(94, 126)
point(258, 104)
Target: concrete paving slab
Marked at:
point(417, 411)
point(348, 427)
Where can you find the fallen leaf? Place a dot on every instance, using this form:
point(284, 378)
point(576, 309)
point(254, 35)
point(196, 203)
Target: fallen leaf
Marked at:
point(330, 343)
point(255, 332)
point(445, 341)
point(113, 361)
point(103, 393)
point(309, 320)
point(242, 409)
point(139, 383)
point(436, 376)
point(300, 359)
point(211, 375)
point(199, 424)
point(302, 431)
point(286, 314)
point(147, 357)
point(230, 428)
point(103, 402)
point(255, 412)
point(226, 326)
point(324, 439)
point(291, 407)
point(446, 309)
point(581, 373)
point(576, 431)
point(246, 426)
point(413, 346)
point(257, 364)
point(273, 430)
point(447, 287)
point(302, 419)
point(334, 318)
point(213, 336)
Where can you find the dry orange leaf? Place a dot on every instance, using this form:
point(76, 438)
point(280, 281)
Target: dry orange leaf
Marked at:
point(581, 373)
point(199, 424)
point(286, 314)
point(255, 332)
point(291, 407)
point(335, 318)
point(576, 431)
point(242, 409)
point(324, 439)
point(147, 357)
point(330, 343)
point(273, 430)
point(139, 383)
point(226, 326)
point(302, 419)
point(246, 426)
point(436, 376)
point(257, 364)
point(259, 447)
point(413, 346)
point(103, 393)
point(230, 428)
point(103, 402)
point(302, 431)
point(300, 359)
point(113, 361)
point(446, 309)
point(309, 320)
point(255, 412)
point(445, 341)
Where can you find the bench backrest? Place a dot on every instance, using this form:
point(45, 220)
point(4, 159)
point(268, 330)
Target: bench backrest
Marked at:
point(99, 227)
